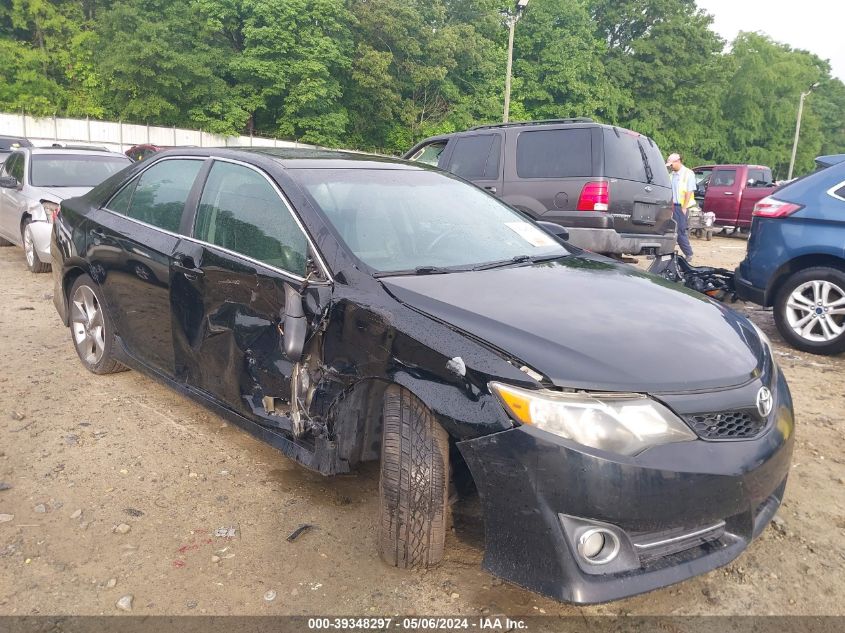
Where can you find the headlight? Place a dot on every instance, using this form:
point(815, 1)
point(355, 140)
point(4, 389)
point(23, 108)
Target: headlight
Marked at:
point(51, 209)
point(624, 423)
point(767, 344)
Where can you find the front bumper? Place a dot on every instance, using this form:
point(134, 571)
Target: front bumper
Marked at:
point(530, 482)
point(41, 232)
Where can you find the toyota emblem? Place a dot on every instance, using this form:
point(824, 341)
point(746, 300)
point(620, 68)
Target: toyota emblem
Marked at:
point(764, 401)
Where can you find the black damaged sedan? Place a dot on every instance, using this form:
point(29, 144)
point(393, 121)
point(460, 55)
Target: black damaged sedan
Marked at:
point(621, 432)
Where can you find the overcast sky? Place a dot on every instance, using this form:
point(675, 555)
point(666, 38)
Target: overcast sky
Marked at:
point(813, 25)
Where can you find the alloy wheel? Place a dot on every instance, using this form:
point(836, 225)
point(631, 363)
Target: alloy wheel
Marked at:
point(29, 247)
point(815, 311)
point(87, 325)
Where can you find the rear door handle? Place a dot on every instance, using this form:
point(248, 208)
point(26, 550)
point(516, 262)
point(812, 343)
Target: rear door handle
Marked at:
point(186, 265)
point(729, 193)
point(491, 189)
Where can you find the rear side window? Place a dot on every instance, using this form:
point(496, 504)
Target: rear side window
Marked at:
point(554, 154)
point(241, 212)
point(161, 192)
point(761, 177)
point(429, 154)
point(476, 157)
point(723, 178)
point(622, 156)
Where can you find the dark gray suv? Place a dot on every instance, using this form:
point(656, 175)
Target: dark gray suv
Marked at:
point(606, 184)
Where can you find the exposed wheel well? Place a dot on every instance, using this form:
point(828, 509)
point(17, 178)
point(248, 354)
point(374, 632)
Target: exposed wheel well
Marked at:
point(800, 263)
point(26, 217)
point(67, 282)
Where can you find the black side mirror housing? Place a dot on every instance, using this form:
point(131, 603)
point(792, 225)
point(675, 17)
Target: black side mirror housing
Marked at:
point(555, 229)
point(9, 182)
point(294, 325)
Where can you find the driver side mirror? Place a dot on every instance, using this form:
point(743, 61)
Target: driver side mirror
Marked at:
point(294, 325)
point(9, 182)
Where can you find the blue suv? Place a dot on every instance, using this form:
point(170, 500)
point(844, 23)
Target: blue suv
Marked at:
point(796, 260)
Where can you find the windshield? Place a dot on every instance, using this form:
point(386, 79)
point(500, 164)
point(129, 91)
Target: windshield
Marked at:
point(74, 170)
point(404, 220)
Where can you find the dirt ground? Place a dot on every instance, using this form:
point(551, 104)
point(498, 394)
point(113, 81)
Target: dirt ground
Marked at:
point(208, 508)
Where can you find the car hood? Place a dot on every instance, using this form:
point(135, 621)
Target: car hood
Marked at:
point(593, 324)
point(61, 193)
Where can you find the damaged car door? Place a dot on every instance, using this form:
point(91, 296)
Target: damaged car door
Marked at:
point(237, 280)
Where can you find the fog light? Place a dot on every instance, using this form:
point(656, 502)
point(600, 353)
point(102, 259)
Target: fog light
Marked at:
point(598, 546)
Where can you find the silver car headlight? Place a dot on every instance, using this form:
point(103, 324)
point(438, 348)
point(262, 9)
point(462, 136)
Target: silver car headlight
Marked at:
point(623, 423)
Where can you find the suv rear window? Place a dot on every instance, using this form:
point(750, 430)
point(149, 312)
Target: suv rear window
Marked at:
point(554, 154)
point(476, 157)
point(622, 156)
point(659, 173)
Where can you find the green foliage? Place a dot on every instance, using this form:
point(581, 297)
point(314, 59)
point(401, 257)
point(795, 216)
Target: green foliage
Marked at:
point(382, 74)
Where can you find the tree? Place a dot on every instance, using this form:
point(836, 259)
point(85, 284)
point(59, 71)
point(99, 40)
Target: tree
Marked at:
point(761, 105)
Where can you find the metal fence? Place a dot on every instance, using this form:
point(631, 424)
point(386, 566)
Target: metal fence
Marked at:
point(119, 136)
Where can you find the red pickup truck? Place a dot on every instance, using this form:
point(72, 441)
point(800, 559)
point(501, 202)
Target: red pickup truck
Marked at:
point(731, 191)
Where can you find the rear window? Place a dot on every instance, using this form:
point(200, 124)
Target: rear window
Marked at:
point(554, 154)
point(622, 156)
point(72, 170)
point(655, 160)
point(476, 157)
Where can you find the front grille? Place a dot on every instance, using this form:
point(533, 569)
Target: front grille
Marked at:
point(728, 425)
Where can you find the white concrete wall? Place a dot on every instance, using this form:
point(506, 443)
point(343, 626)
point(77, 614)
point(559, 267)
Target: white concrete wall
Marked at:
point(120, 136)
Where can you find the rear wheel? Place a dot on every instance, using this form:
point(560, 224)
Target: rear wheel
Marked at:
point(810, 310)
point(34, 264)
point(91, 328)
point(414, 482)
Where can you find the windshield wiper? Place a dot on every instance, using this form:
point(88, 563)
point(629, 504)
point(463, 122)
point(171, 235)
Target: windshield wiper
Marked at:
point(419, 270)
point(518, 259)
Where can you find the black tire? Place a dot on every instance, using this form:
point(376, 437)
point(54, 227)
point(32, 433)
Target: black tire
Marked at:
point(5, 242)
point(786, 317)
point(104, 361)
point(414, 483)
point(34, 264)
point(708, 236)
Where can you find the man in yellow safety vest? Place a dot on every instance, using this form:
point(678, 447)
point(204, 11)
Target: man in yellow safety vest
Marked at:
point(683, 197)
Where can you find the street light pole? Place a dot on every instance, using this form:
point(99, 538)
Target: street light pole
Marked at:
point(512, 20)
point(804, 95)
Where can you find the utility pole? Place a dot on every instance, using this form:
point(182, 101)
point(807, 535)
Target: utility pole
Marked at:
point(804, 95)
point(513, 18)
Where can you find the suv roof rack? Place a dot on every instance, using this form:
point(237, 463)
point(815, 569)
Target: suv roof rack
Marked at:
point(579, 119)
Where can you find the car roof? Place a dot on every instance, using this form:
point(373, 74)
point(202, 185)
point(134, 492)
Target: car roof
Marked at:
point(301, 158)
point(71, 151)
point(731, 166)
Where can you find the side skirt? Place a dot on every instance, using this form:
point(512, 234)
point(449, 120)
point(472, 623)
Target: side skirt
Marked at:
point(322, 457)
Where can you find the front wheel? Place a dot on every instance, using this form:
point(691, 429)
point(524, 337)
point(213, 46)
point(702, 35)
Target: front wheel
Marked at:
point(91, 328)
point(810, 310)
point(414, 482)
point(34, 264)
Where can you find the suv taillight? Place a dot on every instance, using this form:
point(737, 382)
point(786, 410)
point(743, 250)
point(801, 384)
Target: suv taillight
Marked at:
point(770, 207)
point(594, 197)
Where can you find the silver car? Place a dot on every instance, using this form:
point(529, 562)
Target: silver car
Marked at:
point(34, 181)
